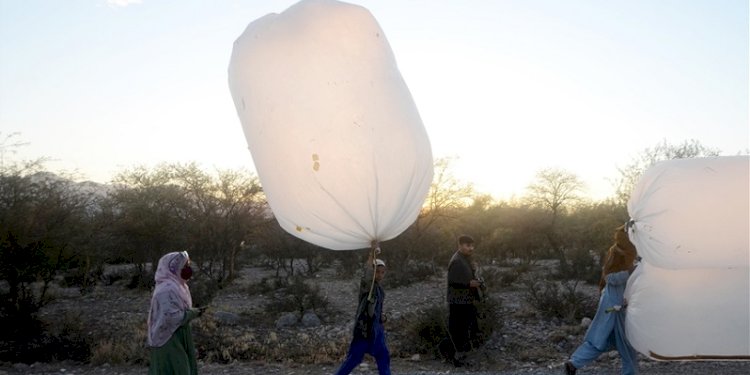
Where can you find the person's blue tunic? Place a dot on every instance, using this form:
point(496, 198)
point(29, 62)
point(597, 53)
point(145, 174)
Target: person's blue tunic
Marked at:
point(607, 330)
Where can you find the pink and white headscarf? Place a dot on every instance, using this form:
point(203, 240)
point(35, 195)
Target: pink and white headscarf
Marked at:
point(170, 300)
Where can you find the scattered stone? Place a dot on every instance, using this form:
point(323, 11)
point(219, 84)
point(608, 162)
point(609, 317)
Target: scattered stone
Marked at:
point(310, 319)
point(287, 320)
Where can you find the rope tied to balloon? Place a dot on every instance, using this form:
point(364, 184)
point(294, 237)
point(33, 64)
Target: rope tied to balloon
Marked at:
point(374, 252)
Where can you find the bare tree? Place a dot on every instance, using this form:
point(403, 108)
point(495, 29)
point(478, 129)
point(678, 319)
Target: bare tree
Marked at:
point(181, 207)
point(446, 198)
point(631, 173)
point(447, 193)
point(44, 224)
point(243, 208)
point(148, 215)
point(9, 146)
point(554, 190)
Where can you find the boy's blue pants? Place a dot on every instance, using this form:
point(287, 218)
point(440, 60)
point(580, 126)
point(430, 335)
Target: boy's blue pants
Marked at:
point(357, 351)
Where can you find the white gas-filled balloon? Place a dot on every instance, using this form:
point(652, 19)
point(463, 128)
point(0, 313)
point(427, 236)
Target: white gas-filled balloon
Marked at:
point(690, 314)
point(336, 138)
point(693, 213)
point(690, 297)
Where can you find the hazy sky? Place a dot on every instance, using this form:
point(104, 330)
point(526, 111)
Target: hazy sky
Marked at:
point(508, 86)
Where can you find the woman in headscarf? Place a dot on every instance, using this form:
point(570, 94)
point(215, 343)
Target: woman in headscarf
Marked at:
point(169, 336)
point(607, 330)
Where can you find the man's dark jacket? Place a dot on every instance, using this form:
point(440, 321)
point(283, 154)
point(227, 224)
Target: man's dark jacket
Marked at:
point(460, 274)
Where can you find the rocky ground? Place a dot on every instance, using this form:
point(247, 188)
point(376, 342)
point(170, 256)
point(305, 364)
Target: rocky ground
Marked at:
point(398, 367)
point(523, 346)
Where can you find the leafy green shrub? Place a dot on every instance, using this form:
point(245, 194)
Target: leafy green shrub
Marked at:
point(110, 278)
point(409, 273)
point(297, 296)
point(218, 344)
point(556, 300)
point(497, 277)
point(345, 263)
point(84, 278)
point(266, 285)
point(508, 278)
point(18, 336)
point(490, 321)
point(66, 339)
point(141, 279)
point(203, 290)
point(29, 340)
point(583, 266)
point(423, 330)
point(21, 266)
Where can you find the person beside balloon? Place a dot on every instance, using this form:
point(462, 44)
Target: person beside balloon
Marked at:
point(369, 335)
point(170, 338)
point(607, 329)
point(464, 288)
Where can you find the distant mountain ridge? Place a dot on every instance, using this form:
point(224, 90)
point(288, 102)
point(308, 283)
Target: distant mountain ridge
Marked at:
point(86, 187)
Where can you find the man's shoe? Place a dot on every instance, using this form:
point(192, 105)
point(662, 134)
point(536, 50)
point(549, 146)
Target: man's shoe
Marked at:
point(569, 368)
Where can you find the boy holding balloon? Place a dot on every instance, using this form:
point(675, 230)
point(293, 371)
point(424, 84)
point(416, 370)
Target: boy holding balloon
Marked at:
point(369, 333)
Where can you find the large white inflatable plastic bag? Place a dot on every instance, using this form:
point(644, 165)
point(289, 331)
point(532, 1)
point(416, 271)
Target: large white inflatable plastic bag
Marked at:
point(693, 213)
point(700, 314)
point(690, 297)
point(336, 138)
